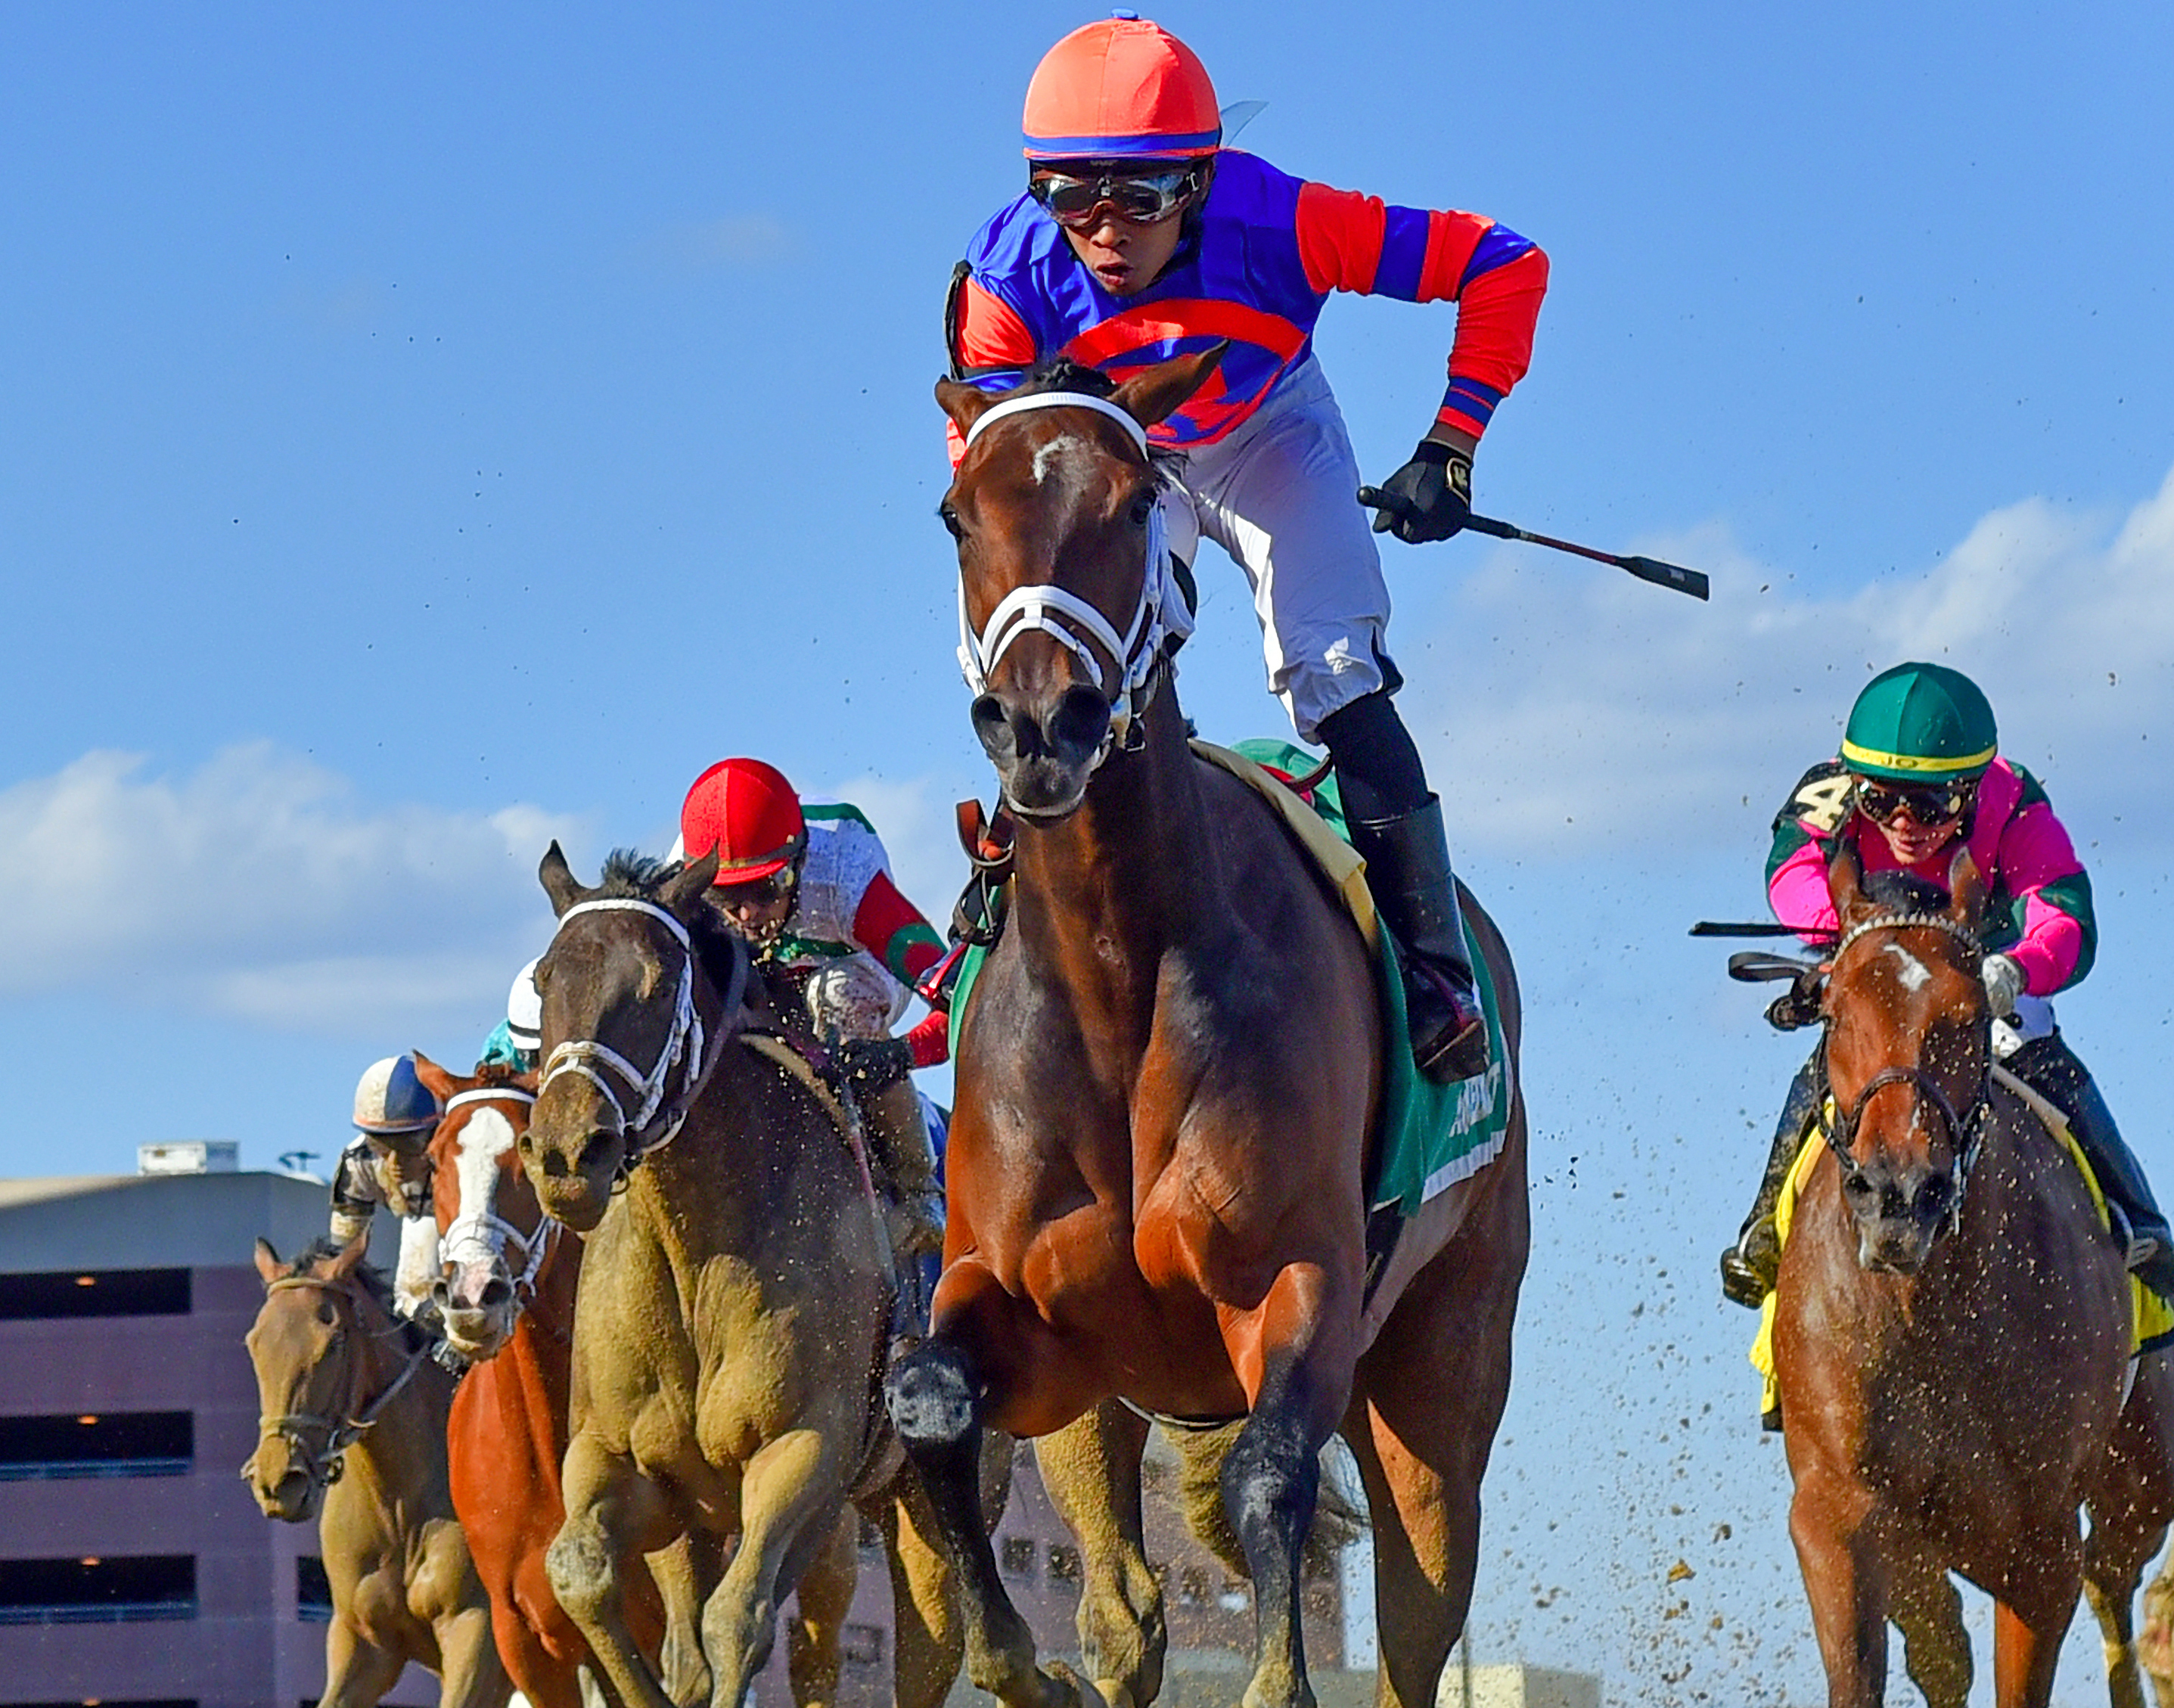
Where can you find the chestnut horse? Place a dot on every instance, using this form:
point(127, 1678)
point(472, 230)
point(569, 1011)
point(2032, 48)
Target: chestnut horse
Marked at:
point(1168, 1081)
point(1952, 1336)
point(506, 1297)
point(352, 1426)
point(734, 1311)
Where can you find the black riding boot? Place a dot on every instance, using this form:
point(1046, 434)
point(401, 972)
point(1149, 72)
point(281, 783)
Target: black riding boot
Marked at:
point(2048, 1066)
point(1748, 1267)
point(1408, 870)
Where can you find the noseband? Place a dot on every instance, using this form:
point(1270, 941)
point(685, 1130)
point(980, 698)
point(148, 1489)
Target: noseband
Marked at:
point(1965, 1129)
point(687, 1049)
point(322, 1466)
point(1158, 617)
point(479, 1234)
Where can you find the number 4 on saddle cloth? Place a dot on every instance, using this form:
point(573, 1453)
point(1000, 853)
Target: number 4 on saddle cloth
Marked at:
point(2151, 1317)
point(1431, 1136)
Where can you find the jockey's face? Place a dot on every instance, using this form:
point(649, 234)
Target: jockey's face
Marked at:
point(758, 911)
point(1126, 256)
point(1917, 822)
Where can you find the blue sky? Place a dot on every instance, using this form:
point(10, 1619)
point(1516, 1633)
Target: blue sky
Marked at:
point(425, 430)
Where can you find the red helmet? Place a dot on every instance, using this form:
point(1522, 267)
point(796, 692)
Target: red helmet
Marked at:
point(747, 812)
point(1123, 89)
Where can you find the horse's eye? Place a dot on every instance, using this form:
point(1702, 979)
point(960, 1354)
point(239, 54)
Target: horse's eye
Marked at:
point(1143, 508)
point(949, 518)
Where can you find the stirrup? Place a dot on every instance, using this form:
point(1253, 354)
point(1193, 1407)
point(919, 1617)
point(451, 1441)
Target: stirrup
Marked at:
point(1749, 1267)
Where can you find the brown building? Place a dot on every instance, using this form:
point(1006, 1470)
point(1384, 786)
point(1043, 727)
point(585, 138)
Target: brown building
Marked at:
point(134, 1566)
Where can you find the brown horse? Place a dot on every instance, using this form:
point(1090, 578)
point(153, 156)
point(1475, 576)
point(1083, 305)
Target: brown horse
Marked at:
point(506, 1297)
point(1951, 1337)
point(735, 1291)
point(1168, 1080)
point(353, 1424)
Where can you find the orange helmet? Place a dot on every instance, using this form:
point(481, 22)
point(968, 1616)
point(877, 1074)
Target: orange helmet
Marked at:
point(747, 812)
point(1123, 89)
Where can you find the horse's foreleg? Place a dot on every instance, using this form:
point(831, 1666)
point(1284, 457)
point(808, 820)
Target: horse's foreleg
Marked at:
point(1935, 1642)
point(938, 1401)
point(1091, 1469)
point(924, 1595)
point(2130, 1501)
point(472, 1674)
point(815, 1635)
point(792, 1495)
point(610, 1510)
point(357, 1672)
point(684, 1573)
point(1294, 1356)
point(1831, 1523)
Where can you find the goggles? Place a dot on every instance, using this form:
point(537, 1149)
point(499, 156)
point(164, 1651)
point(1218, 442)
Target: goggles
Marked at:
point(1926, 805)
point(1143, 198)
point(760, 892)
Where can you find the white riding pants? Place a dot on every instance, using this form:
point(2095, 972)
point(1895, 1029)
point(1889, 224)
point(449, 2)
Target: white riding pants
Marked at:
point(1280, 495)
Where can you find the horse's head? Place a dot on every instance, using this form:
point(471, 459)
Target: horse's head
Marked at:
point(1062, 579)
point(1909, 1053)
point(639, 985)
point(305, 1346)
point(493, 1236)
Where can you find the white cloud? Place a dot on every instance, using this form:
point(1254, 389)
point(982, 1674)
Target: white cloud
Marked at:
point(738, 243)
point(1611, 711)
point(261, 886)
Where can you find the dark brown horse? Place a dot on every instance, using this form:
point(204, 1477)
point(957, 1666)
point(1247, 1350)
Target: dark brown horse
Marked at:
point(734, 1310)
point(1951, 1337)
point(1167, 1081)
point(506, 1295)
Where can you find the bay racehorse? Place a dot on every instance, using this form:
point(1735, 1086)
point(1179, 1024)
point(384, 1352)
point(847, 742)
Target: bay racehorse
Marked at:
point(734, 1312)
point(1952, 1335)
point(1167, 1084)
point(505, 1295)
point(352, 1431)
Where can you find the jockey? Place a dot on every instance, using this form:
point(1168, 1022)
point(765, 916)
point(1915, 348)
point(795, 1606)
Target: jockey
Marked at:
point(1919, 776)
point(386, 1164)
point(809, 887)
point(519, 1037)
point(1139, 237)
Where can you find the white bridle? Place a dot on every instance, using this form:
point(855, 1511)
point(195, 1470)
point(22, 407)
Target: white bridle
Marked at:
point(686, 1047)
point(1159, 616)
point(480, 1235)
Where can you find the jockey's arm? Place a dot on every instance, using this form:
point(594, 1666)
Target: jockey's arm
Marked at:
point(2038, 865)
point(896, 932)
point(355, 1194)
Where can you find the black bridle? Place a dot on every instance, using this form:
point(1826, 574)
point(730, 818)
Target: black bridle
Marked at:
point(1966, 1128)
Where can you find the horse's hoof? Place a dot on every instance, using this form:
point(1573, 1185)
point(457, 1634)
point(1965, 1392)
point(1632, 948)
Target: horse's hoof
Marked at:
point(1063, 1688)
point(1113, 1692)
point(930, 1399)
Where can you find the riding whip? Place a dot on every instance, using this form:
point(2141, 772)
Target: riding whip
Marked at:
point(1691, 581)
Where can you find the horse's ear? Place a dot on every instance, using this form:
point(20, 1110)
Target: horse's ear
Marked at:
point(1965, 890)
point(962, 403)
point(1155, 393)
point(350, 1257)
point(558, 879)
point(442, 1083)
point(1846, 884)
point(689, 882)
point(268, 1264)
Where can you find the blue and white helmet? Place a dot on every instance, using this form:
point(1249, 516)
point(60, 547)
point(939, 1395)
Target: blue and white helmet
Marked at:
point(390, 1099)
point(524, 1011)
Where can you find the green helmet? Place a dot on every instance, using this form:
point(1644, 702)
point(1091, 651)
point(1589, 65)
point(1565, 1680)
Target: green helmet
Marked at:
point(1920, 723)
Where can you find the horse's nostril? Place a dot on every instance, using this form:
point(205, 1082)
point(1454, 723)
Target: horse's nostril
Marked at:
point(593, 1151)
point(1079, 721)
point(496, 1292)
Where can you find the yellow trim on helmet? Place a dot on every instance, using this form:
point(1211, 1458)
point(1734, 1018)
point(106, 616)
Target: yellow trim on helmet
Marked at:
point(1858, 755)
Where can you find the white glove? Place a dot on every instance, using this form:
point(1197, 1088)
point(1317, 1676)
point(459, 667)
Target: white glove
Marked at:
point(2003, 983)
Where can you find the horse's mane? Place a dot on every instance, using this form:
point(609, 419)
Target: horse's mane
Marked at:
point(1905, 892)
point(372, 1281)
point(1063, 374)
point(492, 1076)
point(630, 875)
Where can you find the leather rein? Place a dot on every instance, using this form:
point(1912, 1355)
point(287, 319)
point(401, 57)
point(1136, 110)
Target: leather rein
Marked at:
point(323, 1465)
point(1966, 1128)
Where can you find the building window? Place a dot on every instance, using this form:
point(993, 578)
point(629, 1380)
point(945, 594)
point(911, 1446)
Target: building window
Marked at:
point(95, 1293)
point(96, 1590)
point(1064, 1563)
point(313, 1590)
point(863, 1645)
point(109, 1444)
point(1018, 1556)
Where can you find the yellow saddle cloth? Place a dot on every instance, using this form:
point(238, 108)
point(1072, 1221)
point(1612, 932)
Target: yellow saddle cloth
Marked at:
point(2151, 1318)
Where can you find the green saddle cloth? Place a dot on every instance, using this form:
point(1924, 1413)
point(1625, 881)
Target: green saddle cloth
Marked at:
point(1431, 1136)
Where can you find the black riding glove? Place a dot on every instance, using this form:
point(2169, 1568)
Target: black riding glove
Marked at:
point(1429, 499)
point(874, 1064)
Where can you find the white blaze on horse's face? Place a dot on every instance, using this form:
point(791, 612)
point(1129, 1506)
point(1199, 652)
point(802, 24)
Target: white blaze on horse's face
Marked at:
point(1063, 448)
point(477, 1314)
point(1913, 975)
